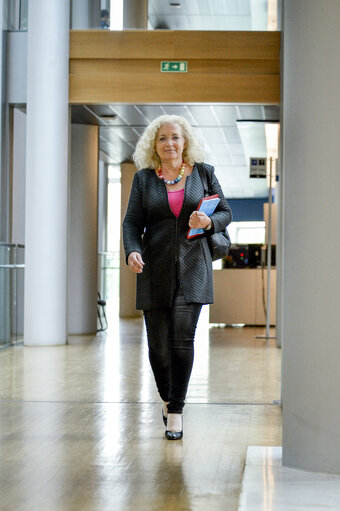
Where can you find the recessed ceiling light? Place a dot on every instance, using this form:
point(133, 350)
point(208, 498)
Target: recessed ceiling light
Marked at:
point(175, 4)
point(108, 117)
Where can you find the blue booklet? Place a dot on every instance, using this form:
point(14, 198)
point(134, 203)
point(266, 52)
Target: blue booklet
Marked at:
point(207, 206)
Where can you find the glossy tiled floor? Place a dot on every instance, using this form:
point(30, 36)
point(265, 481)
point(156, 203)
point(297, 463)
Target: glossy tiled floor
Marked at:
point(81, 428)
point(267, 485)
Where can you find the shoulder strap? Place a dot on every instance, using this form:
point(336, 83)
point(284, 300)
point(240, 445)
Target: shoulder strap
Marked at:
point(203, 175)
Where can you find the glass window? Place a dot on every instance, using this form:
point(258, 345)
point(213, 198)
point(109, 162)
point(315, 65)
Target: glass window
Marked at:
point(247, 232)
point(215, 15)
point(15, 14)
point(116, 18)
point(111, 261)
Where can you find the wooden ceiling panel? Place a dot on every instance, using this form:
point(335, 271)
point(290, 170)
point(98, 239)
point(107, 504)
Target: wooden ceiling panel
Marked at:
point(124, 67)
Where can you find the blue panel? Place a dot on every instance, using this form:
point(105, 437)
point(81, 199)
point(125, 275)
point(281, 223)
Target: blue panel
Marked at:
point(247, 210)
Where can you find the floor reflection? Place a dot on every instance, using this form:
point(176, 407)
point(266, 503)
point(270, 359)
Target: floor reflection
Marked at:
point(81, 425)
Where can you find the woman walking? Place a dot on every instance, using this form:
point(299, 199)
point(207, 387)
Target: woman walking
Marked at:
point(174, 274)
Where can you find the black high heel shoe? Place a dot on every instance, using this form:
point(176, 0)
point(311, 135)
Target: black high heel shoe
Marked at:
point(174, 435)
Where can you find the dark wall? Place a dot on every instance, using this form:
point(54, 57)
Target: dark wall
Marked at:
point(247, 210)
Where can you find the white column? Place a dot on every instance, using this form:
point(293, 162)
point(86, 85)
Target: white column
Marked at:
point(311, 283)
point(127, 291)
point(18, 176)
point(85, 14)
point(47, 173)
point(102, 223)
point(82, 282)
point(18, 210)
point(4, 174)
point(135, 14)
point(102, 205)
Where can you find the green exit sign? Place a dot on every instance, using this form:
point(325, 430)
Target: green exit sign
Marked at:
point(174, 66)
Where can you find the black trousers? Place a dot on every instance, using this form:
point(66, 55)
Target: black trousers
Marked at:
point(171, 333)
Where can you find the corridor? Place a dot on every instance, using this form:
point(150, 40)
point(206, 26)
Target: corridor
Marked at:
point(81, 425)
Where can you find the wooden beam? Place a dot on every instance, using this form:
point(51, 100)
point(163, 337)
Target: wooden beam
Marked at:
point(229, 67)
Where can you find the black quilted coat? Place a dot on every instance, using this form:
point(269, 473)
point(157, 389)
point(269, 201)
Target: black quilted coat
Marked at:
point(150, 227)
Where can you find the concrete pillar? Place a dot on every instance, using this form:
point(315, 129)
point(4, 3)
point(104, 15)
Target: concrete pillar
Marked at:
point(279, 259)
point(102, 223)
point(18, 215)
point(82, 271)
point(102, 205)
point(105, 4)
point(47, 173)
point(135, 14)
point(127, 294)
point(85, 14)
point(4, 171)
point(19, 176)
point(280, 212)
point(311, 290)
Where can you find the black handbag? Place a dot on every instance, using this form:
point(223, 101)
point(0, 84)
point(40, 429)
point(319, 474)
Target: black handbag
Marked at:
point(219, 242)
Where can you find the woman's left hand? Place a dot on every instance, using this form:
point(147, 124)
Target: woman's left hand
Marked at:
point(199, 220)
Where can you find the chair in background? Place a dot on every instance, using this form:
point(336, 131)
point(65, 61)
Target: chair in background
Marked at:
point(101, 313)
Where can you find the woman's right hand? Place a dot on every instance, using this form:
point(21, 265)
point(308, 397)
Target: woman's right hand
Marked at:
point(135, 262)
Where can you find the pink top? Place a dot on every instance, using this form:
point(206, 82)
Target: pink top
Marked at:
point(176, 201)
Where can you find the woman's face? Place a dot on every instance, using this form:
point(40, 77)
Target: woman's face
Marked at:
point(170, 143)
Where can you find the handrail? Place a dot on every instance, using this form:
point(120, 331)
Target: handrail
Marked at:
point(11, 266)
point(11, 245)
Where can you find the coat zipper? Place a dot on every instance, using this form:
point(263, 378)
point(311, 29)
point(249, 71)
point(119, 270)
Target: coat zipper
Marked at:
point(176, 226)
point(176, 243)
point(176, 230)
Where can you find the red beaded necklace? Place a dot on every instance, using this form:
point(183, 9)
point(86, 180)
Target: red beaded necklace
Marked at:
point(178, 178)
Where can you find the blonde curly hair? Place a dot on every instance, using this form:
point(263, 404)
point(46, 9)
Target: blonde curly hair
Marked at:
point(145, 155)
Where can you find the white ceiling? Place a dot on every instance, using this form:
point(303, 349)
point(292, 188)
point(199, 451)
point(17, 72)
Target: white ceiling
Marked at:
point(228, 141)
point(208, 14)
point(217, 126)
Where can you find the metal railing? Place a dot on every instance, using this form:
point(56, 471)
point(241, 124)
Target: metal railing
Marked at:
point(108, 274)
point(12, 266)
point(12, 257)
